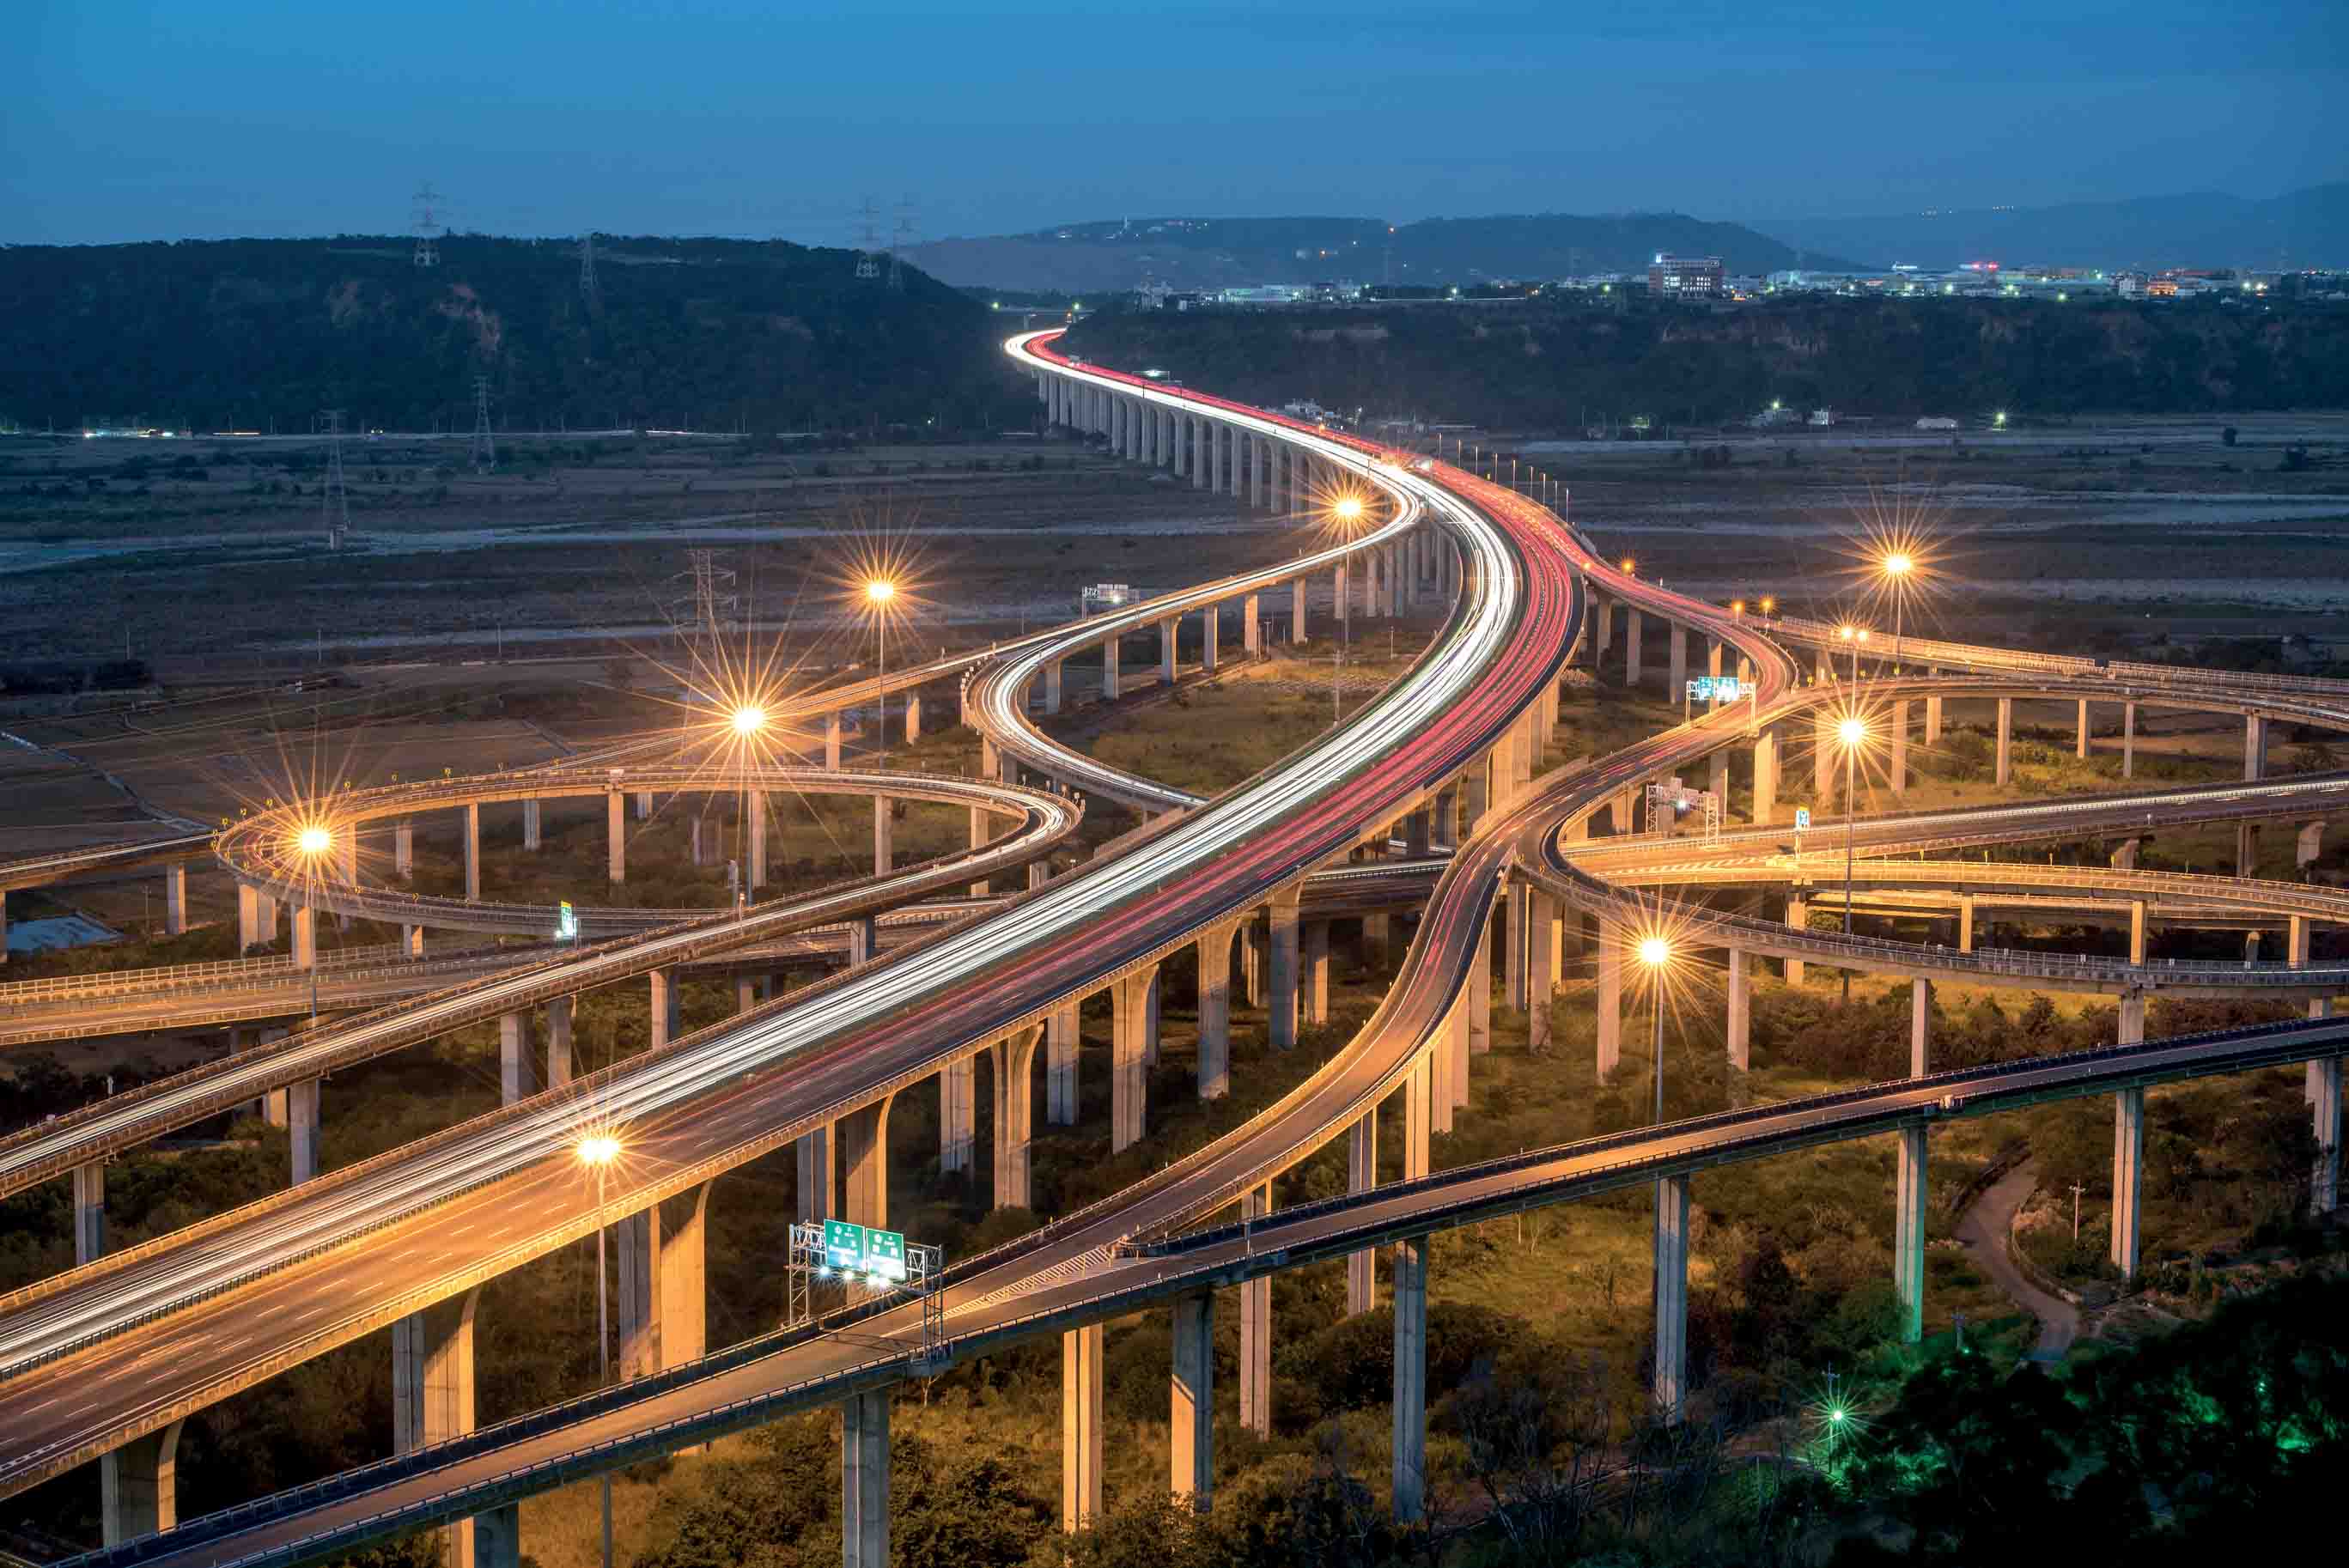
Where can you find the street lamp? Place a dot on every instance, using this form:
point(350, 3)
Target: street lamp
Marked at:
point(748, 720)
point(597, 1152)
point(1857, 637)
point(314, 840)
point(1853, 733)
point(1896, 567)
point(879, 594)
point(1346, 514)
point(1656, 952)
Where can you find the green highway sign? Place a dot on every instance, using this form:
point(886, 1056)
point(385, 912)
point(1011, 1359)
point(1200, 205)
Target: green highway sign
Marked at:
point(861, 1249)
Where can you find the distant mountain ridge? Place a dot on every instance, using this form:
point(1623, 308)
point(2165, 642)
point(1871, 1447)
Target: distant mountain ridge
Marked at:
point(1197, 253)
point(2302, 228)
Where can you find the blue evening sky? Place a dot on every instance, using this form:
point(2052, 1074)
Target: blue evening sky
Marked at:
point(126, 119)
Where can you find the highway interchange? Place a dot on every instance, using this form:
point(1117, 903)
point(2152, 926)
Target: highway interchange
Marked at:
point(130, 1344)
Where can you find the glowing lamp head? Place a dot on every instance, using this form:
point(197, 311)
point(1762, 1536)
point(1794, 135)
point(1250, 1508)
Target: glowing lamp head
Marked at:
point(1737, 606)
point(1845, 632)
point(1768, 606)
point(599, 1149)
point(749, 719)
point(1627, 564)
point(1897, 564)
point(880, 591)
point(1851, 731)
point(314, 840)
point(1655, 952)
point(1347, 509)
point(1836, 1416)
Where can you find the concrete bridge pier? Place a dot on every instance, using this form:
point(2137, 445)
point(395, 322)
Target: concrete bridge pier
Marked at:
point(516, 1080)
point(1671, 1295)
point(1110, 655)
point(1798, 918)
point(1060, 1067)
point(473, 849)
point(913, 716)
point(2310, 848)
point(1676, 646)
point(1377, 943)
point(1010, 1061)
point(1361, 1176)
point(1610, 998)
point(1168, 631)
point(644, 805)
point(1210, 635)
point(2128, 740)
point(1898, 767)
point(305, 938)
point(1410, 1478)
point(864, 1479)
point(248, 919)
point(532, 825)
point(1313, 993)
point(1052, 686)
point(1965, 923)
point(1920, 1025)
point(832, 742)
point(813, 1152)
point(1081, 1429)
point(89, 1212)
point(1933, 720)
point(2006, 772)
point(982, 829)
point(957, 1115)
point(1191, 1415)
point(885, 856)
point(2255, 748)
point(2324, 1096)
point(754, 868)
point(559, 1011)
point(138, 1486)
point(615, 839)
point(302, 1128)
point(432, 1393)
point(864, 1162)
point(1631, 646)
point(175, 902)
point(864, 939)
point(1133, 1040)
point(1908, 1235)
point(411, 942)
point(1741, 1010)
point(1765, 778)
point(1251, 630)
point(1341, 601)
point(1297, 630)
point(2247, 848)
point(2128, 1160)
point(403, 849)
point(1281, 996)
point(667, 1021)
point(1215, 955)
point(1255, 1330)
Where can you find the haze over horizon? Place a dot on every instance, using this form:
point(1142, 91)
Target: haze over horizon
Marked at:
point(720, 117)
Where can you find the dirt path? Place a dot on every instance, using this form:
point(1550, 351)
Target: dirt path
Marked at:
point(1982, 1228)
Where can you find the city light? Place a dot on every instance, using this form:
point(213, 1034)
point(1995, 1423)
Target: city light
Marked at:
point(1655, 952)
point(598, 1150)
point(1769, 606)
point(1627, 564)
point(1737, 606)
point(880, 591)
point(314, 840)
point(1347, 509)
point(749, 719)
point(1852, 732)
point(1899, 564)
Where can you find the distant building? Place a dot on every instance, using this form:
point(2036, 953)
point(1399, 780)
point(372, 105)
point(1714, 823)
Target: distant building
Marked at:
point(1105, 596)
point(1686, 277)
point(1937, 422)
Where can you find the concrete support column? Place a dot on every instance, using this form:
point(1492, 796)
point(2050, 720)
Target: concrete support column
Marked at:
point(558, 1040)
point(1765, 778)
point(138, 1486)
point(89, 1212)
point(864, 1162)
point(1215, 956)
point(832, 742)
point(754, 870)
point(1610, 960)
point(2080, 741)
point(175, 902)
point(615, 839)
point(1192, 1415)
point(248, 919)
point(1965, 923)
point(2005, 741)
point(1081, 1426)
point(1798, 918)
point(864, 1479)
point(1110, 682)
point(1410, 1478)
point(1297, 629)
point(1898, 767)
point(1280, 1001)
point(1671, 1295)
point(2137, 931)
point(517, 1077)
point(981, 830)
point(473, 852)
point(813, 1150)
point(1168, 630)
point(1933, 721)
point(1676, 645)
point(1741, 1010)
point(644, 805)
point(305, 938)
point(1010, 1062)
point(1255, 1331)
point(1052, 686)
point(2128, 1159)
point(1920, 1025)
point(1361, 1176)
point(2255, 748)
point(913, 716)
point(403, 849)
point(2324, 1104)
point(1060, 1031)
point(885, 858)
point(1631, 646)
point(667, 1022)
point(1908, 1235)
point(302, 1128)
point(432, 1391)
point(411, 942)
point(1313, 991)
point(1135, 1041)
point(533, 836)
point(2128, 740)
point(1210, 627)
point(1251, 630)
point(957, 1115)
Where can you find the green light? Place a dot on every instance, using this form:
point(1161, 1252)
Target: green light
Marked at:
point(1836, 1416)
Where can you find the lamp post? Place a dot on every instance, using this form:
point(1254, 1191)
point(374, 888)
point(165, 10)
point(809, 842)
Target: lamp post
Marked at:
point(1346, 513)
point(1897, 566)
point(748, 722)
point(597, 1152)
point(1853, 733)
point(1656, 952)
point(879, 594)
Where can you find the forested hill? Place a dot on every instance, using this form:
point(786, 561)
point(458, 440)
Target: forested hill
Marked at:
point(713, 334)
point(1533, 365)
